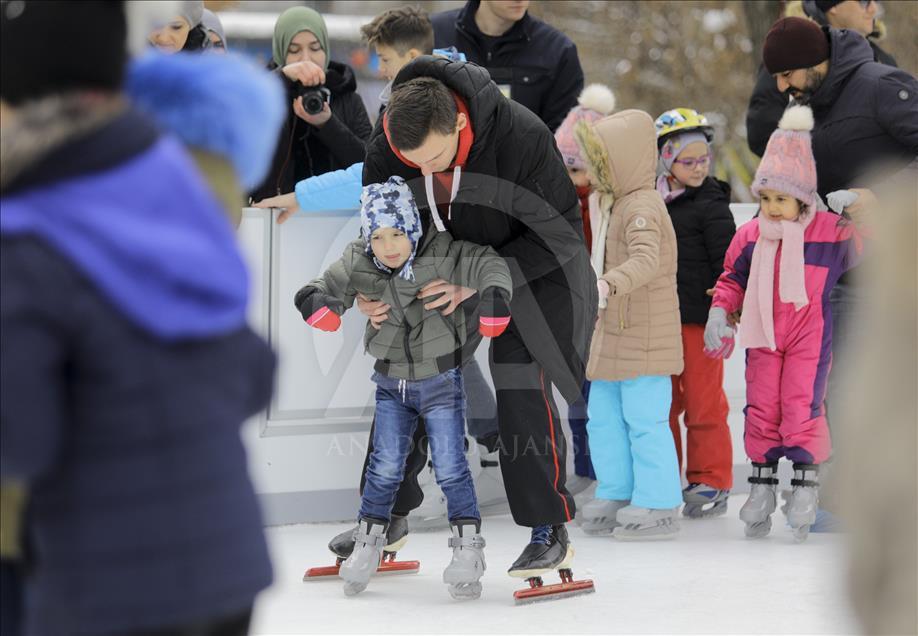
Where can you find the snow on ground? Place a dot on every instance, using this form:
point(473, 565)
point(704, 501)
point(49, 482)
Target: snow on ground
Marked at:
point(710, 580)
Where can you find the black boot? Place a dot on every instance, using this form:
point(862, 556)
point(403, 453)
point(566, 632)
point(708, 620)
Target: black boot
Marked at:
point(343, 544)
point(548, 549)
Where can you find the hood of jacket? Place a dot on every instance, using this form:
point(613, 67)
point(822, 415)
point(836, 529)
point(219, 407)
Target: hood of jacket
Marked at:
point(633, 166)
point(848, 52)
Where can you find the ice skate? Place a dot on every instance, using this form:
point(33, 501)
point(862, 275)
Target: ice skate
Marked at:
point(363, 561)
point(577, 484)
point(396, 538)
point(800, 509)
point(637, 523)
point(468, 564)
point(756, 512)
point(703, 501)
point(598, 516)
point(343, 544)
point(549, 549)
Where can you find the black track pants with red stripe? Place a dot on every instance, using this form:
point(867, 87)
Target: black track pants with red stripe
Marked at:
point(532, 448)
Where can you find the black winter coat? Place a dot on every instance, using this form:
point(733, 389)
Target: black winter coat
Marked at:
point(704, 228)
point(539, 63)
point(515, 196)
point(866, 116)
point(305, 151)
point(767, 103)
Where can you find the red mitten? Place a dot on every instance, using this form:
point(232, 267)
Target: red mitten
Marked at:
point(495, 312)
point(324, 319)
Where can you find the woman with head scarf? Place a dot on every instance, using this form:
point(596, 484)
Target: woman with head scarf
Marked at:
point(215, 33)
point(184, 32)
point(333, 136)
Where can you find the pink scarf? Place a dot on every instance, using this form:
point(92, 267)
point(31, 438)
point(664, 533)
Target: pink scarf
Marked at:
point(758, 327)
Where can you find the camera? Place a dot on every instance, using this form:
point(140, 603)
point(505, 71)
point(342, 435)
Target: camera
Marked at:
point(314, 98)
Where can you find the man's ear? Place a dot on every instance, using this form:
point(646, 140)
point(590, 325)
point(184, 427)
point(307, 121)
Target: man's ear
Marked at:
point(461, 121)
point(414, 53)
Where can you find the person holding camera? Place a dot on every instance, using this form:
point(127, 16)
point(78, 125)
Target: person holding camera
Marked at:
point(327, 125)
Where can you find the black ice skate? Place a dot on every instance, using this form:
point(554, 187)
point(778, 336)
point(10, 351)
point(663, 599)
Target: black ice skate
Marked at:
point(549, 549)
point(343, 544)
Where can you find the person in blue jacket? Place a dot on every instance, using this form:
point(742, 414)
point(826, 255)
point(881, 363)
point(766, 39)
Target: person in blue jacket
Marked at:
point(127, 365)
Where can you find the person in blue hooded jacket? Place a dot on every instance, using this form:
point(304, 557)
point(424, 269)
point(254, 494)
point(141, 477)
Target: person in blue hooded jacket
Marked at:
point(127, 366)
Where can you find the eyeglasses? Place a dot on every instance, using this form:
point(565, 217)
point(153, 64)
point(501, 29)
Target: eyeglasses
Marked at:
point(695, 161)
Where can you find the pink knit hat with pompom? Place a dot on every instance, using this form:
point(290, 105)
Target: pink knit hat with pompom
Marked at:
point(788, 165)
point(595, 102)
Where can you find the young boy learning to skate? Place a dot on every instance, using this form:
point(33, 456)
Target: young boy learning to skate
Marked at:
point(419, 353)
point(699, 208)
point(780, 268)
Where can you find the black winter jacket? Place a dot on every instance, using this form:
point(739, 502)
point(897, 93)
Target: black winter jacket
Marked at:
point(514, 195)
point(305, 151)
point(538, 63)
point(704, 228)
point(767, 103)
point(866, 116)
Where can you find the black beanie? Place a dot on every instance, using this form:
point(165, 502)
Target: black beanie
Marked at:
point(49, 47)
point(794, 43)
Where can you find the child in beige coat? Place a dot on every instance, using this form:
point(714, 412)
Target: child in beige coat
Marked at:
point(637, 343)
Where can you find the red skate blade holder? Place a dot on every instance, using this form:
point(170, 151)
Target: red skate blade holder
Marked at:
point(537, 592)
point(388, 565)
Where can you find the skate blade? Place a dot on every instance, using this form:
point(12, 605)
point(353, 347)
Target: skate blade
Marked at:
point(389, 567)
point(697, 511)
point(553, 592)
point(528, 574)
point(597, 532)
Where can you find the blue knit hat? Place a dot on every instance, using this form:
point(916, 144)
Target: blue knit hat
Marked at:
point(391, 204)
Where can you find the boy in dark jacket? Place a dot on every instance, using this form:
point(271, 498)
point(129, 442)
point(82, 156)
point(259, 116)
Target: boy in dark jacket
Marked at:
point(419, 353)
point(531, 62)
point(699, 206)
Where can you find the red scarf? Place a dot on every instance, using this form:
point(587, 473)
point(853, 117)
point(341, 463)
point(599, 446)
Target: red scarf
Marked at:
point(443, 181)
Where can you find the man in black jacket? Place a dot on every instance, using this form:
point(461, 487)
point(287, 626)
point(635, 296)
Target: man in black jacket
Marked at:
point(488, 170)
point(767, 103)
point(532, 63)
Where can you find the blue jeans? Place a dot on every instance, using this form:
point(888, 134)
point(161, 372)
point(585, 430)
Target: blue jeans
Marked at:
point(577, 418)
point(399, 403)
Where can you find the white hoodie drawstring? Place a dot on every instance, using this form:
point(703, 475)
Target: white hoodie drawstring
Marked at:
point(431, 200)
point(403, 389)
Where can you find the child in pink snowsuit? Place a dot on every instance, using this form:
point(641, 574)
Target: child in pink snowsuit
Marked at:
point(780, 268)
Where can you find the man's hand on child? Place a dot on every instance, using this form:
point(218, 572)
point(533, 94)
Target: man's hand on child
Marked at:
point(495, 312)
point(287, 202)
point(450, 296)
point(376, 310)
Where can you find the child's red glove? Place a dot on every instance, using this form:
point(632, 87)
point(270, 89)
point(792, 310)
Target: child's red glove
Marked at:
point(494, 312)
point(319, 310)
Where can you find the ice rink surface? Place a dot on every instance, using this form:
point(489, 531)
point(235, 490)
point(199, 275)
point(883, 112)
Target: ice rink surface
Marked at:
point(709, 580)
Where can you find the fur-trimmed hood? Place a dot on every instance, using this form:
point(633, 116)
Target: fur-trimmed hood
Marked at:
point(628, 171)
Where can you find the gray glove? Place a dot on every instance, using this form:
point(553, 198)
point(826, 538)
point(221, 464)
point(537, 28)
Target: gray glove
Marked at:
point(841, 199)
point(717, 329)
